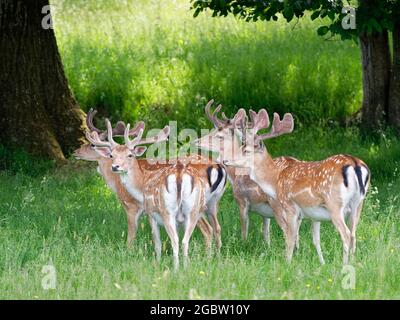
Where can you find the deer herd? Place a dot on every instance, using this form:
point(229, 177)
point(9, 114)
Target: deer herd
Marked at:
point(185, 191)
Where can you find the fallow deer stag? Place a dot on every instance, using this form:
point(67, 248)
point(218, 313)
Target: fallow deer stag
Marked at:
point(226, 140)
point(330, 189)
point(132, 206)
point(172, 194)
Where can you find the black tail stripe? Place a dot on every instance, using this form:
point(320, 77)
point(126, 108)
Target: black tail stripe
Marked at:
point(344, 173)
point(357, 169)
point(219, 177)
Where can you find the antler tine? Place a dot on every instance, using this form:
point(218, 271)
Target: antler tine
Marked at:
point(279, 127)
point(110, 134)
point(93, 138)
point(138, 131)
point(213, 116)
point(253, 118)
point(260, 121)
point(207, 110)
point(161, 136)
point(139, 126)
point(219, 122)
point(119, 129)
point(239, 119)
point(89, 120)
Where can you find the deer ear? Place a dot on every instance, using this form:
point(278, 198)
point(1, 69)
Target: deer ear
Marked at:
point(139, 151)
point(103, 151)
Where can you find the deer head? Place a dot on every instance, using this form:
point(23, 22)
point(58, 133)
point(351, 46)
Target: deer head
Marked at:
point(87, 151)
point(253, 142)
point(124, 156)
point(222, 139)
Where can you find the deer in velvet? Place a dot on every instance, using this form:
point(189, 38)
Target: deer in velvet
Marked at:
point(330, 189)
point(226, 139)
point(172, 194)
point(132, 206)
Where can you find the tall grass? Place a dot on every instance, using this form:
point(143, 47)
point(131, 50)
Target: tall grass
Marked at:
point(152, 60)
point(69, 219)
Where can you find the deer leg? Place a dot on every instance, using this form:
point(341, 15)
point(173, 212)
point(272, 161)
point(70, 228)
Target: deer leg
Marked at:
point(287, 218)
point(133, 214)
point(266, 227)
point(337, 215)
point(206, 231)
point(316, 240)
point(281, 217)
point(155, 231)
point(354, 219)
point(170, 227)
point(244, 218)
point(292, 228)
point(190, 225)
point(212, 216)
point(298, 233)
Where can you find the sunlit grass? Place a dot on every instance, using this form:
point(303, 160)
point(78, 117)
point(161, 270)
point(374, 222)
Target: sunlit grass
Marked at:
point(138, 59)
point(68, 218)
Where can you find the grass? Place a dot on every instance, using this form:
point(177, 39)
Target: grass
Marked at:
point(151, 60)
point(67, 217)
point(135, 59)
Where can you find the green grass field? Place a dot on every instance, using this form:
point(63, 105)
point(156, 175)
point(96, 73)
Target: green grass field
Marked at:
point(151, 60)
point(134, 59)
point(68, 218)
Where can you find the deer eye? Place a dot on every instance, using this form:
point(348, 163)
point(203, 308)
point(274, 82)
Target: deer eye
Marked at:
point(130, 155)
point(111, 155)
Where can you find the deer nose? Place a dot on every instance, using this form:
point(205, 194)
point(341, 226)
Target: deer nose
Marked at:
point(115, 167)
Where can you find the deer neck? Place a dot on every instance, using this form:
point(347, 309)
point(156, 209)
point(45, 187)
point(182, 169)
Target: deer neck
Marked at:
point(110, 177)
point(133, 180)
point(234, 152)
point(265, 173)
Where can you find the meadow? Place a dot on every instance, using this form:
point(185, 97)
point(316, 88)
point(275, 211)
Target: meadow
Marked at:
point(151, 60)
point(67, 218)
point(138, 59)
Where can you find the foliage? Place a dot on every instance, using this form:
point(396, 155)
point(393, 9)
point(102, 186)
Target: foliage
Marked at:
point(372, 15)
point(150, 60)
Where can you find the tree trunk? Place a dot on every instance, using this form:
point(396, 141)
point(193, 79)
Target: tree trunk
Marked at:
point(37, 109)
point(375, 57)
point(394, 92)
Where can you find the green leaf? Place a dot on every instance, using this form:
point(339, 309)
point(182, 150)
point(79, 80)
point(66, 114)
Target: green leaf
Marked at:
point(323, 30)
point(315, 15)
point(288, 13)
point(196, 13)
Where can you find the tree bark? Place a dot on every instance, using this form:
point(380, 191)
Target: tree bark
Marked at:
point(375, 57)
point(394, 91)
point(37, 109)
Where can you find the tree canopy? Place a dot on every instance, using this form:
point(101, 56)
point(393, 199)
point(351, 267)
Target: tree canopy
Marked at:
point(371, 15)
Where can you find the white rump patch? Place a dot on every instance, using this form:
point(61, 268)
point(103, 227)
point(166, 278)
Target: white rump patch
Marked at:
point(189, 198)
